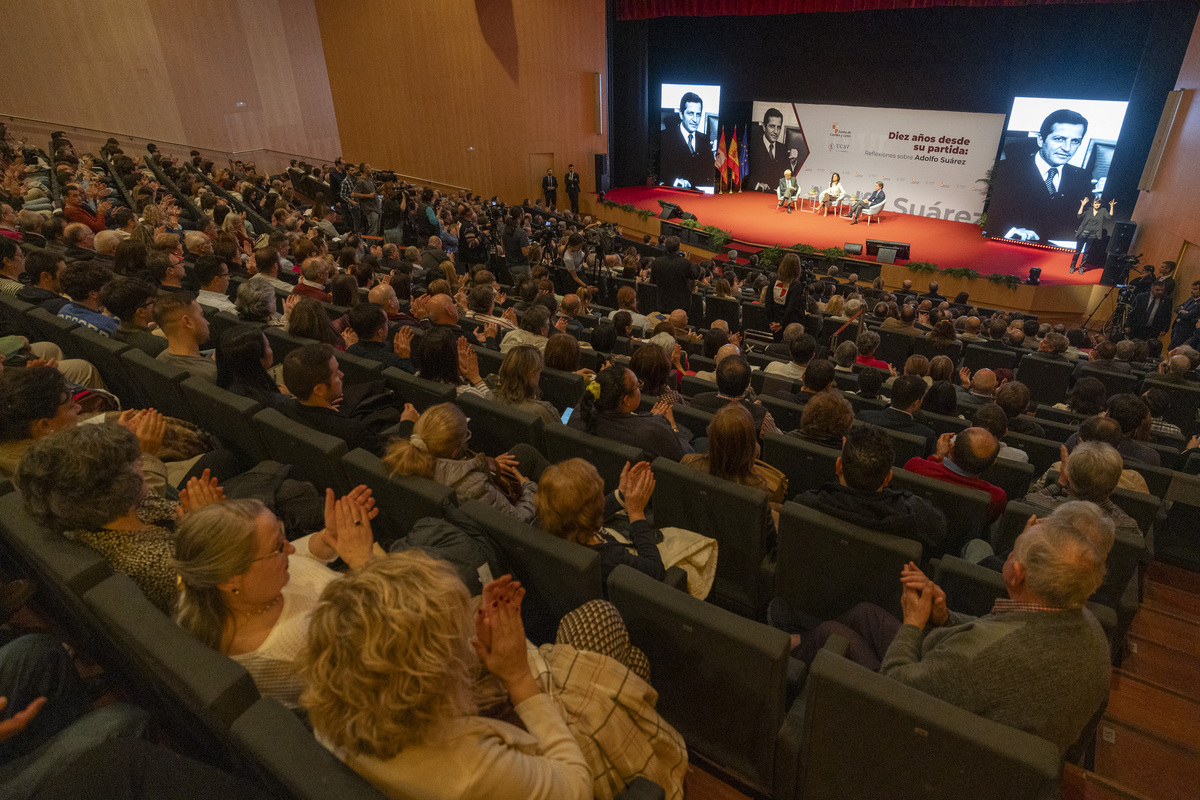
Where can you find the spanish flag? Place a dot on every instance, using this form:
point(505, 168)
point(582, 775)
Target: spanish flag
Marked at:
point(732, 158)
point(720, 162)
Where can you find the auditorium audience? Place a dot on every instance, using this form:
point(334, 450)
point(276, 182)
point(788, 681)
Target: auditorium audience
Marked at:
point(243, 356)
point(611, 413)
point(1133, 415)
point(960, 459)
point(801, 349)
point(131, 301)
point(1099, 428)
point(733, 386)
point(518, 387)
point(180, 318)
point(370, 324)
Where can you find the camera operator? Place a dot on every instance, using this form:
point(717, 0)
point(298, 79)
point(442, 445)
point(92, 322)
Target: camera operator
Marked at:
point(474, 244)
point(516, 246)
point(572, 249)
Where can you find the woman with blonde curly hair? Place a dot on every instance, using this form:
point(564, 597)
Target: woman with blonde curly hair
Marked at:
point(437, 450)
point(389, 670)
point(826, 420)
point(246, 591)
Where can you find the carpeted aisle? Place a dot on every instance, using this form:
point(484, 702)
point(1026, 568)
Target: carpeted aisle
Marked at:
point(752, 217)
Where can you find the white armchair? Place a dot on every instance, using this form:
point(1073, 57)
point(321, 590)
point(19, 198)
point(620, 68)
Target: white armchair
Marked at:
point(787, 198)
point(873, 211)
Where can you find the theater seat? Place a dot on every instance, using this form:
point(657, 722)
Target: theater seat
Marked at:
point(608, 457)
point(315, 456)
point(736, 516)
point(420, 392)
point(50, 328)
point(105, 355)
point(496, 428)
point(287, 756)
point(160, 382)
point(826, 566)
point(401, 500)
point(558, 576)
point(865, 735)
point(1013, 477)
point(722, 679)
point(966, 510)
point(229, 417)
point(970, 588)
point(561, 389)
point(807, 465)
point(197, 684)
point(1047, 380)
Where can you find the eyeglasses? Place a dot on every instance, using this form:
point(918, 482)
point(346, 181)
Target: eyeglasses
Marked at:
point(279, 548)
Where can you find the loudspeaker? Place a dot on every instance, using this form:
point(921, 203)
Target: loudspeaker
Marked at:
point(688, 215)
point(601, 173)
point(886, 255)
point(669, 210)
point(1122, 237)
point(853, 248)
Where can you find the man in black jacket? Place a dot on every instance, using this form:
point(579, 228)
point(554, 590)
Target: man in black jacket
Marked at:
point(733, 384)
point(550, 189)
point(673, 274)
point(907, 394)
point(311, 373)
point(571, 184)
point(861, 495)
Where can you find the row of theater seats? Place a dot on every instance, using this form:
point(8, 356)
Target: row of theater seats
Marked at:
point(723, 678)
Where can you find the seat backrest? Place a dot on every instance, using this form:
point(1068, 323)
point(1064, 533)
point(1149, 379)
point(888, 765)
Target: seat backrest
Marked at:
point(561, 389)
point(223, 321)
point(1185, 398)
point(1114, 382)
point(1013, 477)
point(807, 465)
point(894, 348)
point(911, 740)
point(1042, 453)
point(693, 419)
point(608, 457)
point(1158, 479)
point(734, 515)
point(691, 386)
point(315, 456)
point(215, 689)
point(56, 559)
point(288, 757)
point(13, 311)
point(942, 423)
point(51, 328)
point(1049, 412)
point(421, 392)
point(558, 576)
point(229, 417)
point(647, 298)
point(1057, 431)
point(977, 357)
point(970, 588)
point(1142, 507)
point(721, 678)
point(105, 355)
point(966, 510)
point(1010, 525)
point(1047, 380)
point(496, 428)
point(283, 342)
point(755, 317)
point(725, 308)
point(787, 415)
point(489, 360)
point(826, 566)
point(160, 382)
point(401, 499)
point(358, 369)
point(906, 446)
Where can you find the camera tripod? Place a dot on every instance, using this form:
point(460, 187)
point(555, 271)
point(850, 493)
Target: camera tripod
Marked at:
point(1115, 320)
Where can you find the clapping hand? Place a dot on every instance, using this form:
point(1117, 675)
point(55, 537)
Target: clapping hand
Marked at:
point(402, 343)
point(468, 361)
point(20, 720)
point(636, 487)
point(348, 525)
point(200, 492)
point(499, 639)
point(911, 577)
point(490, 331)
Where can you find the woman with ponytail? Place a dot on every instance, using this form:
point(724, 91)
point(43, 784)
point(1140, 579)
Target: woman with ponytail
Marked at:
point(246, 591)
point(609, 410)
point(437, 450)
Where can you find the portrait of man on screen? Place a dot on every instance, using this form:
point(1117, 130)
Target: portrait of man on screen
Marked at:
point(686, 154)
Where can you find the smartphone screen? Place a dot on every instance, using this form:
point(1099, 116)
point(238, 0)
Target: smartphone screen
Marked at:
point(566, 417)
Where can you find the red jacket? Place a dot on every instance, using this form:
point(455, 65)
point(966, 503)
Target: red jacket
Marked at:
point(931, 468)
point(304, 290)
point(81, 214)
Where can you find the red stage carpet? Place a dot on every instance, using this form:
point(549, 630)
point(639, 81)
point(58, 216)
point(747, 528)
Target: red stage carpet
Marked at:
point(752, 217)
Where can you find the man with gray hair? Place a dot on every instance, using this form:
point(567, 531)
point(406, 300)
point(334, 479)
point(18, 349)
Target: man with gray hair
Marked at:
point(783, 349)
point(1091, 473)
point(1039, 662)
point(314, 275)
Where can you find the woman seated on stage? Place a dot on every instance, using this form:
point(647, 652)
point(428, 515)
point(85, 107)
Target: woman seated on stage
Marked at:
point(832, 194)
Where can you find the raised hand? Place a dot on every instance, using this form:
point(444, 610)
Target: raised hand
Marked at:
point(20, 720)
point(468, 361)
point(402, 343)
point(500, 638)
point(199, 492)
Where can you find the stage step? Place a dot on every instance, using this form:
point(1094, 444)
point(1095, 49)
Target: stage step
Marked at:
point(1165, 666)
point(1079, 784)
point(701, 785)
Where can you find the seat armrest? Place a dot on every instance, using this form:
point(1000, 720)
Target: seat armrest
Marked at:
point(641, 789)
point(676, 578)
point(838, 645)
point(786, 773)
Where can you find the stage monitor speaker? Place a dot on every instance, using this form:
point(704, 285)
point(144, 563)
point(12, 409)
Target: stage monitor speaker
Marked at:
point(852, 248)
point(669, 210)
point(886, 255)
point(1122, 237)
point(601, 173)
point(688, 215)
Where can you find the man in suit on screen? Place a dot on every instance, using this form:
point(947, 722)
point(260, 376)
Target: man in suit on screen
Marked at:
point(686, 156)
point(1037, 193)
point(768, 157)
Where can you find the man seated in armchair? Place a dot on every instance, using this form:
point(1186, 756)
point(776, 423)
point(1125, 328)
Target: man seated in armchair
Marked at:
point(788, 190)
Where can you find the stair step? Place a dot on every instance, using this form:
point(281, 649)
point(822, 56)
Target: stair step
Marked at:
point(1155, 711)
point(1079, 784)
point(1179, 602)
point(1167, 630)
point(1164, 666)
point(1176, 577)
point(701, 785)
point(1145, 764)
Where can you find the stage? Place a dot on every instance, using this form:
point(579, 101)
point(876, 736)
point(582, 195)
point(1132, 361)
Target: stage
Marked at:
point(753, 218)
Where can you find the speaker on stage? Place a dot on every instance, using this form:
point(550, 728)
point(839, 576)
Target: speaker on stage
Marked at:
point(669, 210)
point(688, 215)
point(601, 173)
point(1122, 237)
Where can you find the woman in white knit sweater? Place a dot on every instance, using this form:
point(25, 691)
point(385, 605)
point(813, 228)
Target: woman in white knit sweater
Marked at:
point(247, 591)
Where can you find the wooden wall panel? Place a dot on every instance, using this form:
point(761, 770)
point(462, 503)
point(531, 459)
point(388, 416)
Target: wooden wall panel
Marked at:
point(462, 92)
point(1169, 216)
point(175, 71)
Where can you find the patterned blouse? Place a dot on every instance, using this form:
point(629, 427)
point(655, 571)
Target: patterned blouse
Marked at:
point(143, 554)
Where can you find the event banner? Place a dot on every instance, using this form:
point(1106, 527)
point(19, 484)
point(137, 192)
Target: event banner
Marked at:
point(930, 162)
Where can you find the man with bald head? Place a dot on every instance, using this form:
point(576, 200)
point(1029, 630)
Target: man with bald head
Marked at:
point(105, 243)
point(976, 390)
point(972, 330)
point(783, 349)
point(569, 310)
point(433, 255)
point(725, 352)
point(384, 296)
point(314, 276)
point(960, 459)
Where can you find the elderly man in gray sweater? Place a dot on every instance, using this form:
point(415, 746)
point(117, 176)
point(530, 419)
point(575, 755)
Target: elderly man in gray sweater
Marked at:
point(1038, 662)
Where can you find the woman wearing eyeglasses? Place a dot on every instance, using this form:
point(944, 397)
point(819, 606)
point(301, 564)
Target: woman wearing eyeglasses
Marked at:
point(247, 591)
point(611, 412)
